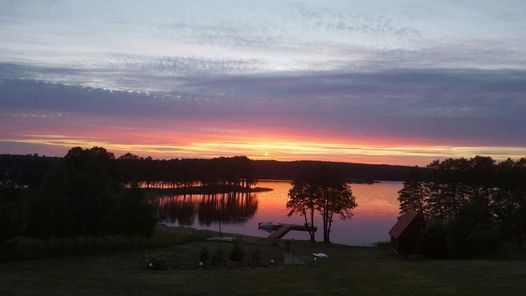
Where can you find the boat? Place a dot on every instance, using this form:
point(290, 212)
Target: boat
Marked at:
point(319, 256)
point(269, 226)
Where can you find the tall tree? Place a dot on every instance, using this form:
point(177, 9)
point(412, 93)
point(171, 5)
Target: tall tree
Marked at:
point(302, 201)
point(10, 220)
point(336, 199)
point(412, 196)
point(76, 198)
point(323, 189)
point(136, 215)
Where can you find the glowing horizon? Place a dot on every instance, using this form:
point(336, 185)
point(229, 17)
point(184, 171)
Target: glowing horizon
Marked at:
point(280, 150)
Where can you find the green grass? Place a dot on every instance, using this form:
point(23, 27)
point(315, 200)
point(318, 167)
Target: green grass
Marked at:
point(30, 249)
point(348, 271)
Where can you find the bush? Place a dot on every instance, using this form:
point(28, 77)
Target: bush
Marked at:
point(473, 233)
point(433, 242)
point(484, 240)
point(204, 256)
point(237, 253)
point(10, 222)
point(255, 259)
point(219, 257)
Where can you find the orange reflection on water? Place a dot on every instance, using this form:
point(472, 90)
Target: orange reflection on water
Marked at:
point(240, 213)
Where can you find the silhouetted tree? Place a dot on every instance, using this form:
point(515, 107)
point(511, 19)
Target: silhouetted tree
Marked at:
point(237, 253)
point(412, 195)
point(326, 189)
point(433, 242)
point(478, 202)
point(136, 216)
point(302, 201)
point(77, 198)
point(219, 257)
point(473, 233)
point(338, 200)
point(10, 214)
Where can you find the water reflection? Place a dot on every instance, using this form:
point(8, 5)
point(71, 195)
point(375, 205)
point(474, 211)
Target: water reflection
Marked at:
point(240, 212)
point(228, 208)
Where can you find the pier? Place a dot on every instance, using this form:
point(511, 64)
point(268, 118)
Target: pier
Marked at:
point(283, 229)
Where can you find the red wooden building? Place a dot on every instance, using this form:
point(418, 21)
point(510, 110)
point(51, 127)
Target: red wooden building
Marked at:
point(406, 233)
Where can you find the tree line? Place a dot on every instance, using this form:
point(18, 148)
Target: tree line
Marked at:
point(78, 197)
point(352, 172)
point(235, 172)
point(179, 173)
point(91, 194)
point(472, 207)
point(240, 172)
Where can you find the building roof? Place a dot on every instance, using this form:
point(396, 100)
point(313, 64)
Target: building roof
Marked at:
point(403, 221)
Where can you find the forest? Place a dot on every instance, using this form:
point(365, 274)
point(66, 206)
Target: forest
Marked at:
point(472, 207)
point(234, 171)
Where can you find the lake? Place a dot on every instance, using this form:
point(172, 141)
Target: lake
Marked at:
point(376, 213)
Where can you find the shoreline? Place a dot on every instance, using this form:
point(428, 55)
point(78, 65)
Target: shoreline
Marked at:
point(207, 190)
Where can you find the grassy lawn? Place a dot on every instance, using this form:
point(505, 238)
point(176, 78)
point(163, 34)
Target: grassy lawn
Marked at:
point(116, 268)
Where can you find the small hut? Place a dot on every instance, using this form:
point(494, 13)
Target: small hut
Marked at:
point(406, 233)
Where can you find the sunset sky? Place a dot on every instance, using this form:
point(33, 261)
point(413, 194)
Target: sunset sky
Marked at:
point(398, 82)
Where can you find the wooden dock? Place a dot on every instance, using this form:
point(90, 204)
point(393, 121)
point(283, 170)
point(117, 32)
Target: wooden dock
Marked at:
point(285, 228)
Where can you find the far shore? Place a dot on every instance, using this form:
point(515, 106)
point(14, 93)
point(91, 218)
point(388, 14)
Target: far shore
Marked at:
point(230, 189)
point(207, 190)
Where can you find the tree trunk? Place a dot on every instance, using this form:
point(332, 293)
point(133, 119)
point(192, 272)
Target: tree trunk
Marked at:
point(220, 232)
point(329, 229)
point(311, 231)
point(326, 225)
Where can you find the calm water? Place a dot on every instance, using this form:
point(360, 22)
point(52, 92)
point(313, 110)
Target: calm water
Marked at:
point(240, 212)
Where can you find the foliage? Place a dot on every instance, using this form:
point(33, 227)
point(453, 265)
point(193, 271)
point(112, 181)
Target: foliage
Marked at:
point(10, 216)
point(30, 169)
point(219, 257)
point(255, 258)
point(411, 197)
point(25, 169)
point(325, 191)
point(204, 255)
point(473, 233)
point(237, 253)
point(136, 215)
point(82, 198)
point(302, 200)
point(433, 242)
point(74, 202)
point(234, 172)
point(337, 200)
point(481, 204)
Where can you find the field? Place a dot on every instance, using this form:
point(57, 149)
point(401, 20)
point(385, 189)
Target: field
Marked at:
point(115, 267)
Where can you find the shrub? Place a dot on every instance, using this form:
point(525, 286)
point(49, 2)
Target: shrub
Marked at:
point(204, 256)
point(237, 253)
point(255, 259)
point(433, 242)
point(219, 257)
point(473, 233)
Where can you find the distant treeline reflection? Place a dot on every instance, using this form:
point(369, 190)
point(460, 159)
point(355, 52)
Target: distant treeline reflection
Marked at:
point(229, 208)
